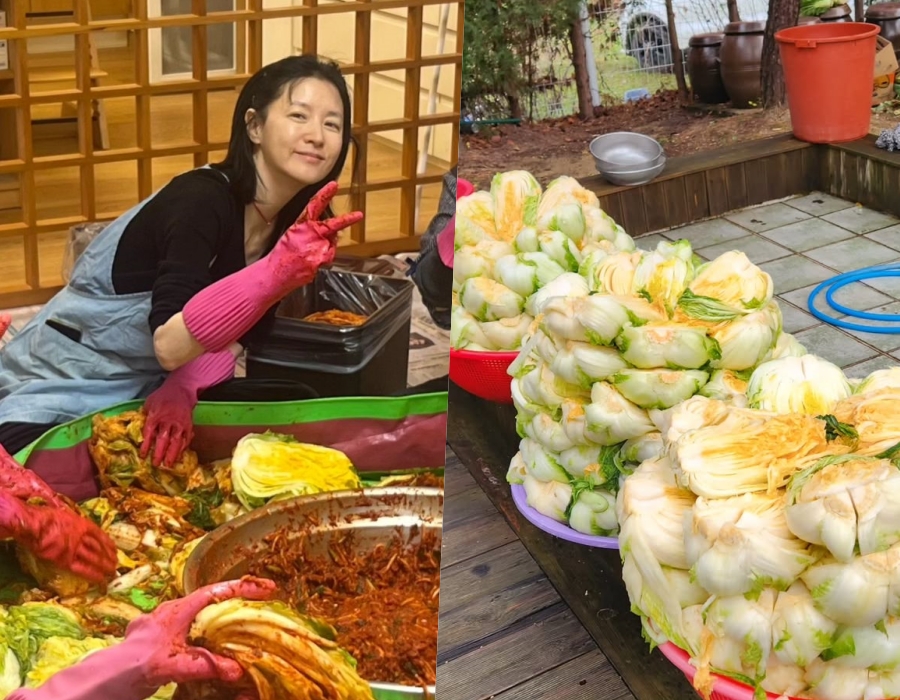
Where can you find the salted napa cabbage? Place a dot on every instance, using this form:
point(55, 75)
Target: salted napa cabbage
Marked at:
point(602, 227)
point(786, 345)
point(11, 671)
point(728, 286)
point(478, 260)
point(719, 451)
point(637, 450)
point(506, 333)
point(543, 388)
point(540, 463)
point(610, 418)
point(516, 195)
point(284, 654)
point(664, 344)
point(550, 498)
point(604, 316)
point(594, 464)
point(659, 388)
point(742, 544)
point(875, 647)
point(739, 639)
point(650, 510)
point(266, 466)
point(829, 680)
point(465, 330)
point(546, 431)
point(563, 190)
point(560, 249)
point(875, 416)
point(880, 379)
point(728, 386)
point(860, 592)
point(585, 364)
point(567, 217)
point(567, 284)
point(593, 512)
point(526, 240)
point(474, 219)
point(799, 632)
point(848, 504)
point(614, 274)
point(526, 273)
point(488, 300)
point(623, 241)
point(747, 340)
point(661, 276)
point(805, 384)
point(559, 318)
point(58, 653)
point(651, 503)
point(26, 627)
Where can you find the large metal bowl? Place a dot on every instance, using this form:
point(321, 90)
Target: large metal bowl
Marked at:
point(624, 151)
point(374, 515)
point(636, 177)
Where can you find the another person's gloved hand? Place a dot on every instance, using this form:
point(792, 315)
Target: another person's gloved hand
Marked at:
point(52, 531)
point(155, 652)
point(25, 484)
point(446, 238)
point(224, 311)
point(169, 427)
point(60, 536)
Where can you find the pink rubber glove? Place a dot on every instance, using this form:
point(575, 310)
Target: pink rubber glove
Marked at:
point(170, 409)
point(155, 652)
point(224, 311)
point(24, 483)
point(60, 536)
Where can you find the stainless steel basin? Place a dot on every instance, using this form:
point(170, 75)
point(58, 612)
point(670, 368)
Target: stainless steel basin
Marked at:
point(625, 151)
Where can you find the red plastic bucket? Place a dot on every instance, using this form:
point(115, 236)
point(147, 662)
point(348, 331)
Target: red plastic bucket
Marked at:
point(828, 72)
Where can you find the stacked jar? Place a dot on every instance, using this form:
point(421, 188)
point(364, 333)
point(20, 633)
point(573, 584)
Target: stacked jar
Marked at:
point(703, 68)
point(741, 60)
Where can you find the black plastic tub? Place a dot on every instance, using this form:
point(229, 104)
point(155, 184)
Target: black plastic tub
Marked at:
point(367, 360)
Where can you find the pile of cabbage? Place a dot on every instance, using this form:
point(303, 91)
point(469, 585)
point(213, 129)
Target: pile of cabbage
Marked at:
point(766, 544)
point(37, 640)
point(629, 336)
point(510, 243)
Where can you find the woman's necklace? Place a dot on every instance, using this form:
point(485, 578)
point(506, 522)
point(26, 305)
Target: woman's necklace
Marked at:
point(263, 216)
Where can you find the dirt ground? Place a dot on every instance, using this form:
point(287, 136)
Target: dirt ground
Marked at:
point(560, 147)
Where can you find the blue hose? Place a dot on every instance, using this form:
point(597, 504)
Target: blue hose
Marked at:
point(840, 281)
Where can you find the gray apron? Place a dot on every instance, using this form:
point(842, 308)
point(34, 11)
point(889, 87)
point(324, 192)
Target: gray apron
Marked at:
point(102, 356)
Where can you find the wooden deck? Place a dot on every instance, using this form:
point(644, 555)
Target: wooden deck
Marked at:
point(505, 633)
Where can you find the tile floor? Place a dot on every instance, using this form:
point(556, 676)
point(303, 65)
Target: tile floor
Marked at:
point(801, 242)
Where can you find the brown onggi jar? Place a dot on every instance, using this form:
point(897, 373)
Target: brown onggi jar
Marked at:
point(839, 13)
point(741, 59)
point(808, 20)
point(887, 16)
point(703, 68)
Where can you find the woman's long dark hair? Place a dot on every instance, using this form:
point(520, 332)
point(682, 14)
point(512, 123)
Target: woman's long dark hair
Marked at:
point(263, 88)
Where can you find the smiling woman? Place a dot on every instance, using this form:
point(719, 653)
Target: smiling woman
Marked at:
point(160, 303)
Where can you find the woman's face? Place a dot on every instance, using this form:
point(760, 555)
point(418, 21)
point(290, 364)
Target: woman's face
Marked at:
point(302, 136)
